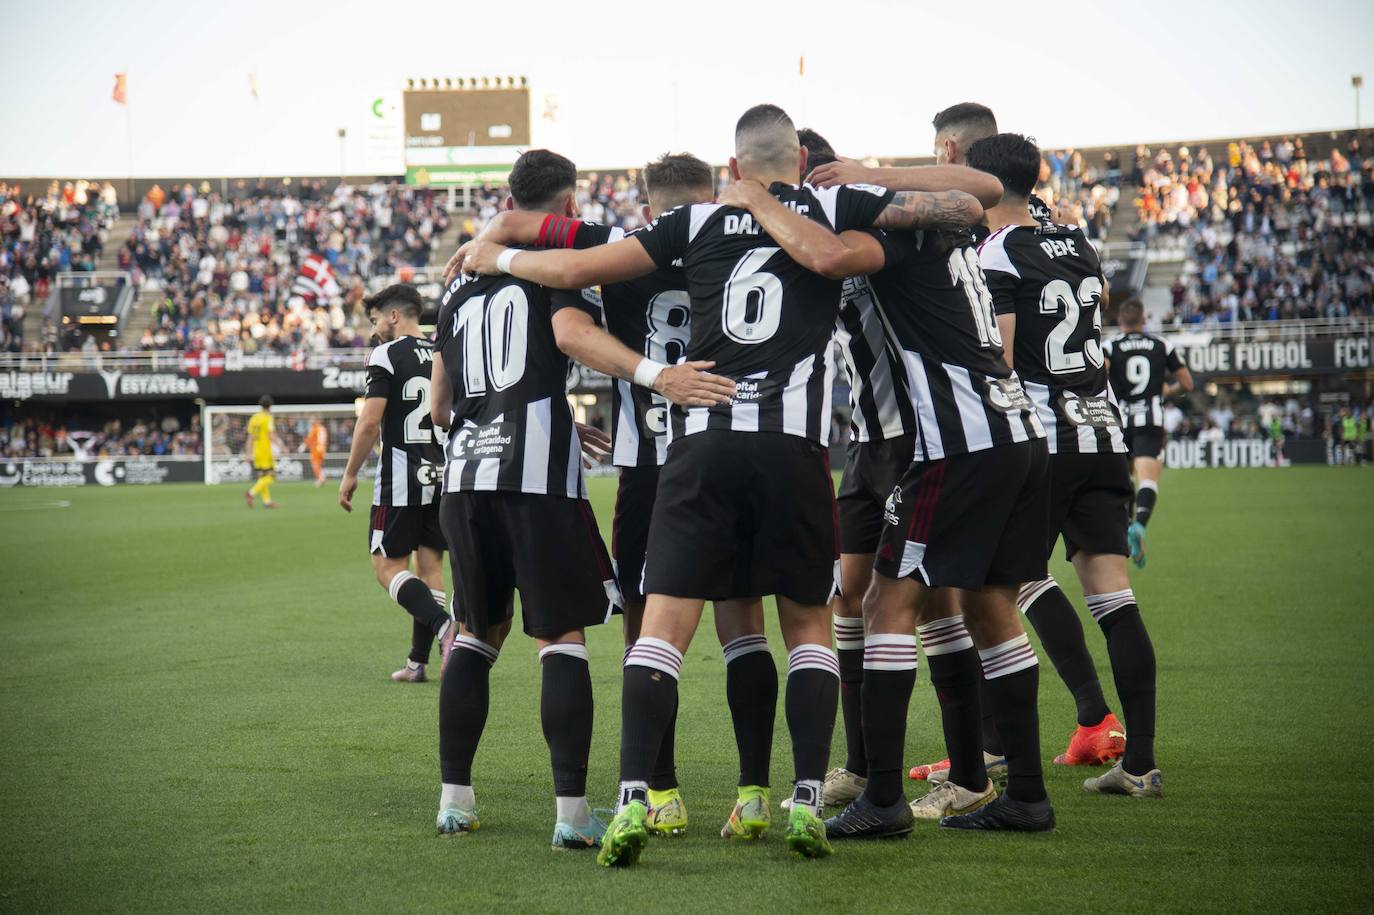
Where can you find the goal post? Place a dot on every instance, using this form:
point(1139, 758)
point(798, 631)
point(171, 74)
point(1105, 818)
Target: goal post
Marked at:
point(224, 429)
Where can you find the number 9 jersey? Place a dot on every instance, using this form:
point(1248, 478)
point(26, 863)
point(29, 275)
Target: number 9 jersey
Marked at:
point(511, 429)
point(410, 457)
point(1050, 278)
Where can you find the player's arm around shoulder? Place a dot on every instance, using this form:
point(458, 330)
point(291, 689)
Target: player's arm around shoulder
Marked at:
point(806, 241)
point(613, 263)
point(930, 210)
point(934, 178)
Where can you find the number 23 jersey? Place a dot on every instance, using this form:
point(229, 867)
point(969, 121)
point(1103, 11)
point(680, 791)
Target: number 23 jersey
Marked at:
point(1050, 278)
point(512, 429)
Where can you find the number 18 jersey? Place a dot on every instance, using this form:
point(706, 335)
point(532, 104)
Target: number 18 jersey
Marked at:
point(511, 429)
point(410, 458)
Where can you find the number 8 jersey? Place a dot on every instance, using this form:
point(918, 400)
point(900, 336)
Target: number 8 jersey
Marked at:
point(763, 319)
point(410, 457)
point(511, 429)
point(1049, 277)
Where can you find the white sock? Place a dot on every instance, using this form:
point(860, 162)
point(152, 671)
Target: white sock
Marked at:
point(414, 665)
point(459, 796)
point(807, 793)
point(633, 791)
point(573, 810)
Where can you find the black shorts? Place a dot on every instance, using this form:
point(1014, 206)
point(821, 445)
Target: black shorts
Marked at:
point(871, 471)
point(970, 520)
point(260, 470)
point(1090, 503)
point(744, 514)
point(396, 531)
point(546, 547)
point(1145, 442)
point(634, 506)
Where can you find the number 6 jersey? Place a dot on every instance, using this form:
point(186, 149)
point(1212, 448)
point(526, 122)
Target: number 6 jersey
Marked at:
point(511, 429)
point(762, 318)
point(1049, 277)
point(410, 459)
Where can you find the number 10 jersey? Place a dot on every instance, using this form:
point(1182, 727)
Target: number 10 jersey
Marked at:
point(511, 428)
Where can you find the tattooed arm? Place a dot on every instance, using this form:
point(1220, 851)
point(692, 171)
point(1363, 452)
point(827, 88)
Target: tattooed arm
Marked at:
point(926, 210)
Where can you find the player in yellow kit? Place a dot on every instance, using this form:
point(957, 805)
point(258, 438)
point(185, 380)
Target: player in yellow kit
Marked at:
point(261, 434)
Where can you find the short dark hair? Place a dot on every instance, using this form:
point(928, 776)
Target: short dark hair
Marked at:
point(539, 176)
point(765, 135)
point(677, 172)
point(816, 145)
point(1009, 157)
point(265, 401)
point(966, 117)
point(398, 295)
point(1131, 313)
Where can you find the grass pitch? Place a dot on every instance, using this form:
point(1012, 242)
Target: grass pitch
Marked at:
point(196, 715)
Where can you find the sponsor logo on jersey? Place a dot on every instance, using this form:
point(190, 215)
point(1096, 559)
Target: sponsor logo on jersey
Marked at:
point(478, 443)
point(1098, 412)
point(754, 390)
point(1007, 396)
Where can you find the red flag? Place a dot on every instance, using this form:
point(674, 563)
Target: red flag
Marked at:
point(121, 89)
point(315, 282)
point(203, 364)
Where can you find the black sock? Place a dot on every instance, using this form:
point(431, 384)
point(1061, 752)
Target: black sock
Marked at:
point(421, 641)
point(664, 776)
point(957, 676)
point(1145, 499)
point(565, 710)
point(992, 741)
point(417, 599)
point(889, 675)
point(1013, 696)
point(1061, 635)
point(849, 649)
point(1133, 668)
point(751, 691)
point(813, 692)
point(647, 705)
point(464, 693)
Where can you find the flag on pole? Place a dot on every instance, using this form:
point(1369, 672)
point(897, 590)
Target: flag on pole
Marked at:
point(253, 84)
point(801, 65)
point(121, 88)
point(315, 283)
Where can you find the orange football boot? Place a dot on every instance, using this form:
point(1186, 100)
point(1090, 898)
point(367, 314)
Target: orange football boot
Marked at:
point(1100, 744)
point(921, 773)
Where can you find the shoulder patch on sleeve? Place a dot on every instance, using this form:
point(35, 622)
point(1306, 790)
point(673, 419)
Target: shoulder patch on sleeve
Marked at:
point(992, 253)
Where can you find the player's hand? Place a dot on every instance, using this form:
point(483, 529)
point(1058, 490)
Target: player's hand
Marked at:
point(742, 194)
point(841, 171)
point(596, 445)
point(454, 267)
point(347, 486)
point(688, 384)
point(480, 257)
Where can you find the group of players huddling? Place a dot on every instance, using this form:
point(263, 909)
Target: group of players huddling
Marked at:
point(984, 429)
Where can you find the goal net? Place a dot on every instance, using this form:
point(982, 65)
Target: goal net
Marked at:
point(225, 431)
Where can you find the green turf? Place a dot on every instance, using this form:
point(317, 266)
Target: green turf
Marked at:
point(196, 715)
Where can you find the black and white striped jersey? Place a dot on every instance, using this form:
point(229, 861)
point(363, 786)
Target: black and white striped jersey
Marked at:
point(1049, 277)
point(1138, 365)
point(651, 315)
point(930, 295)
point(879, 395)
point(512, 429)
point(411, 456)
point(763, 319)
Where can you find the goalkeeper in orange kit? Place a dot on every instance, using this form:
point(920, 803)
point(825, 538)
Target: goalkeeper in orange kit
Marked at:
point(317, 442)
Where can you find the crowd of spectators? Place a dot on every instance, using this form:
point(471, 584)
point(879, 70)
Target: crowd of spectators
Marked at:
point(59, 437)
point(64, 228)
point(1268, 232)
point(226, 264)
point(1090, 190)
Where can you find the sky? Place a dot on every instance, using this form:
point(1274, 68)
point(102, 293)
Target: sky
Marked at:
point(631, 81)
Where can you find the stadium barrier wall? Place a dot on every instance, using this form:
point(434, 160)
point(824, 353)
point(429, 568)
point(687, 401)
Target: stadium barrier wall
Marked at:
point(100, 472)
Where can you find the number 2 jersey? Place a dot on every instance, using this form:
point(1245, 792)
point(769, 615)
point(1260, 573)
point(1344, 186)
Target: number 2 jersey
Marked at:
point(765, 321)
point(1050, 278)
point(931, 296)
point(1140, 364)
point(410, 460)
point(511, 429)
